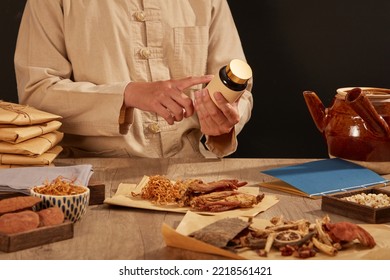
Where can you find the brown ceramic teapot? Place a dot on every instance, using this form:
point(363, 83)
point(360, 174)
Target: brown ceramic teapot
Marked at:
point(356, 126)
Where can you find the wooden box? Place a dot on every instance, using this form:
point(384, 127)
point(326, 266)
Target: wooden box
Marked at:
point(36, 237)
point(97, 193)
point(334, 204)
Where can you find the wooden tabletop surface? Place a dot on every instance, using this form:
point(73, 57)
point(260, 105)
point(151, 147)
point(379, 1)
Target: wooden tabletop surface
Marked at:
point(114, 232)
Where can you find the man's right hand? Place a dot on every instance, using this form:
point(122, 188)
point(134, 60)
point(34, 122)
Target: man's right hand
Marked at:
point(166, 98)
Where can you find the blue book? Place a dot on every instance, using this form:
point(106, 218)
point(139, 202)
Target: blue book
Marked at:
point(320, 177)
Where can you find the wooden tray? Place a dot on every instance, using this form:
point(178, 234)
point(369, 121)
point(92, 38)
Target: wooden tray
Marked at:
point(36, 237)
point(334, 204)
point(44, 235)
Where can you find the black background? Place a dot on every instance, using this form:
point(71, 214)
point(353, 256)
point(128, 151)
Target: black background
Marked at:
point(292, 46)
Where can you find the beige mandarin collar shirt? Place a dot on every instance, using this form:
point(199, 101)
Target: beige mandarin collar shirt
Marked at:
point(75, 58)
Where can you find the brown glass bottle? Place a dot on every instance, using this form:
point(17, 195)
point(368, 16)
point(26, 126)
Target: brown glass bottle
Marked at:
point(231, 80)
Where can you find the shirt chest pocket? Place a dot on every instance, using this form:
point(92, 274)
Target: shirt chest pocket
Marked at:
point(190, 51)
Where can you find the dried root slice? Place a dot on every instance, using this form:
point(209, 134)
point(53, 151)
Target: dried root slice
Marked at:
point(327, 249)
point(301, 224)
point(322, 235)
point(19, 222)
point(250, 243)
point(277, 221)
point(287, 236)
point(268, 245)
point(18, 203)
point(291, 238)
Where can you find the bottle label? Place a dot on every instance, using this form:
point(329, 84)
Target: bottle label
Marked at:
point(216, 85)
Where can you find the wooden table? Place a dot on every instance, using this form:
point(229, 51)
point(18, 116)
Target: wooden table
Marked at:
point(110, 232)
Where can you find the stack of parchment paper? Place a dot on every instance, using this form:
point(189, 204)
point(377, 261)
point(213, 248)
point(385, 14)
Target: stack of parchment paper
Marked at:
point(28, 136)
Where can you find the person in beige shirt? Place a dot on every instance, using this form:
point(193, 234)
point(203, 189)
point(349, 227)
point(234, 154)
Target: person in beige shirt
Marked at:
point(128, 76)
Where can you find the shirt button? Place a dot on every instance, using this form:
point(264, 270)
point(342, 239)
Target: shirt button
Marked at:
point(140, 15)
point(145, 53)
point(154, 127)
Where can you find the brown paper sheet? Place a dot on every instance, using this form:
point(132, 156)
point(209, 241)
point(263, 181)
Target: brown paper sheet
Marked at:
point(282, 186)
point(191, 222)
point(44, 159)
point(16, 134)
point(123, 197)
point(33, 147)
point(17, 114)
point(4, 166)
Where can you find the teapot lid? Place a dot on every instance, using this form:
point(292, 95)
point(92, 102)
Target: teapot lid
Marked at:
point(371, 92)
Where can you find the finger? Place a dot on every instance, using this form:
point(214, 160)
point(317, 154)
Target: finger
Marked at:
point(175, 109)
point(212, 109)
point(186, 104)
point(165, 114)
point(213, 120)
point(199, 106)
point(206, 120)
point(184, 83)
point(229, 111)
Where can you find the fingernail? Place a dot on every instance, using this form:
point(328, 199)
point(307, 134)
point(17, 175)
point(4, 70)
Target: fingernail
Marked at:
point(218, 96)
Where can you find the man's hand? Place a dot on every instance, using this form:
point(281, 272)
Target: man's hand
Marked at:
point(166, 98)
point(215, 119)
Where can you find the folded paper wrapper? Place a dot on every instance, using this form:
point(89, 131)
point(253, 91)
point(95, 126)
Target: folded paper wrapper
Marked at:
point(47, 158)
point(16, 134)
point(124, 198)
point(28, 136)
point(17, 114)
point(192, 222)
point(22, 179)
point(33, 147)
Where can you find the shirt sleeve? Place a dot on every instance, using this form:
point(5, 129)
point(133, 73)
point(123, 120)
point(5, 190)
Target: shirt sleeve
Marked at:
point(45, 76)
point(225, 44)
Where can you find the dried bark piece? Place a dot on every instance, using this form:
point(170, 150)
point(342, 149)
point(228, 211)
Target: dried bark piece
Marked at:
point(51, 216)
point(19, 222)
point(220, 232)
point(18, 203)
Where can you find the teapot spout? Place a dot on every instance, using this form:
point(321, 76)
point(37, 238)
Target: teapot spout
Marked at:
point(316, 109)
point(359, 102)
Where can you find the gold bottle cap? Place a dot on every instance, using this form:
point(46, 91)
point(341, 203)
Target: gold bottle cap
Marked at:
point(238, 71)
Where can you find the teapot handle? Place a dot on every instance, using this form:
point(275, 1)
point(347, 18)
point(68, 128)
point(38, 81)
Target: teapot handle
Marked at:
point(359, 102)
